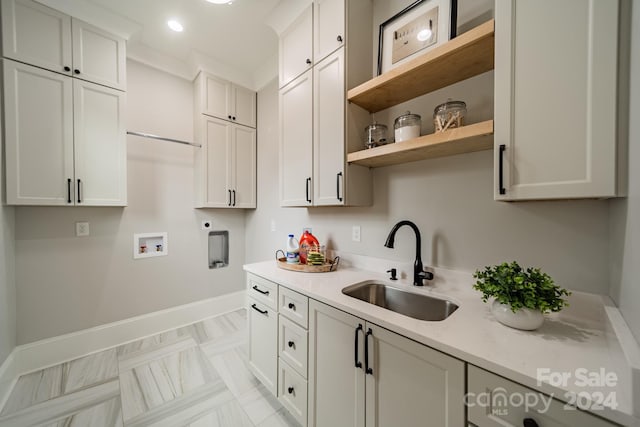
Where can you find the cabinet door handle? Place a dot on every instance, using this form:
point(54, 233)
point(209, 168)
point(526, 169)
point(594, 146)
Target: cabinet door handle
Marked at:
point(308, 61)
point(367, 368)
point(234, 197)
point(258, 310)
point(339, 38)
point(308, 190)
point(529, 422)
point(234, 118)
point(291, 344)
point(79, 191)
point(229, 204)
point(501, 188)
point(292, 306)
point(67, 68)
point(68, 190)
point(229, 116)
point(76, 71)
point(338, 176)
point(290, 390)
point(256, 288)
point(358, 363)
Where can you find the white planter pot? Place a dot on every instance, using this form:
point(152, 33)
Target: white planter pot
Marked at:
point(524, 318)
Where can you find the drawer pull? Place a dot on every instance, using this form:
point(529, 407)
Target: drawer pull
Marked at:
point(290, 390)
point(258, 310)
point(256, 288)
point(292, 306)
point(291, 344)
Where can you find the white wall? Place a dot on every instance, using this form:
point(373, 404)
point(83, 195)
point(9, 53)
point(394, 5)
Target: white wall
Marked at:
point(625, 213)
point(451, 200)
point(67, 283)
point(7, 283)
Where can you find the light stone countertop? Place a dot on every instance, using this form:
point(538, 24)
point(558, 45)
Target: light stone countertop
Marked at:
point(589, 334)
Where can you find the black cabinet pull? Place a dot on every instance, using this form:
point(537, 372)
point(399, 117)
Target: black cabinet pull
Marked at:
point(234, 118)
point(258, 310)
point(308, 190)
point(290, 390)
point(367, 368)
point(68, 190)
point(357, 358)
point(291, 344)
point(229, 204)
point(339, 38)
point(501, 188)
point(234, 197)
point(292, 306)
point(338, 176)
point(308, 61)
point(229, 116)
point(76, 71)
point(256, 288)
point(529, 422)
point(66, 68)
point(79, 192)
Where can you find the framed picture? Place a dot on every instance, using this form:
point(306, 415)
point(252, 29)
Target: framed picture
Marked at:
point(419, 27)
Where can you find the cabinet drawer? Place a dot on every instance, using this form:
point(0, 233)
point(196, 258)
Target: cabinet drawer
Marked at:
point(294, 306)
point(262, 290)
point(293, 345)
point(497, 410)
point(263, 343)
point(292, 392)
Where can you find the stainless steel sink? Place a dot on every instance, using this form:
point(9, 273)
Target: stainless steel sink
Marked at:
point(410, 304)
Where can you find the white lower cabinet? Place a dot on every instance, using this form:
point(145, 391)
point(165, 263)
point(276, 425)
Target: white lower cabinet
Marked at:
point(495, 406)
point(263, 343)
point(363, 375)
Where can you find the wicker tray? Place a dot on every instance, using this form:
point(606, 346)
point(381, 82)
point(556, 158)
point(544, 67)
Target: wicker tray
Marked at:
point(306, 268)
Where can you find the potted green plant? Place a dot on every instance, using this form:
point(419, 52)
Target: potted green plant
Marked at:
point(521, 296)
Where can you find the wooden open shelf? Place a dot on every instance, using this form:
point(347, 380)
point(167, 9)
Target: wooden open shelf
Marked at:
point(465, 56)
point(465, 139)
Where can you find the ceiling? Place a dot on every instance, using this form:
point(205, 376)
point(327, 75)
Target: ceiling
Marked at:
point(234, 34)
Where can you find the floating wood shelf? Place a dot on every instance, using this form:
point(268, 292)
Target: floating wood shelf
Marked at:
point(465, 56)
point(465, 139)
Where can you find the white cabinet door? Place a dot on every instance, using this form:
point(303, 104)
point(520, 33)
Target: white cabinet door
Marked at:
point(328, 131)
point(216, 153)
point(38, 138)
point(100, 145)
point(216, 96)
point(296, 142)
point(98, 56)
point(263, 344)
point(296, 48)
point(244, 167)
point(328, 27)
point(336, 384)
point(244, 106)
point(555, 104)
point(410, 383)
point(35, 34)
point(491, 405)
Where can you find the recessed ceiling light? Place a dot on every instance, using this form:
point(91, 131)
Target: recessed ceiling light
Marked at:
point(175, 25)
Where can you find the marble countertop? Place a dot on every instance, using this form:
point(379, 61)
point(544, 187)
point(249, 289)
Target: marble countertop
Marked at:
point(584, 341)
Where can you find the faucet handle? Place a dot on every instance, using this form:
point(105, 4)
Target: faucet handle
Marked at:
point(393, 272)
point(426, 275)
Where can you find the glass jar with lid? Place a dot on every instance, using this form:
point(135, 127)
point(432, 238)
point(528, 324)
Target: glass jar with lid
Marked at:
point(375, 135)
point(407, 126)
point(449, 115)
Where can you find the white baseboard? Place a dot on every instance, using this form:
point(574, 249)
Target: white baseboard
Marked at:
point(52, 351)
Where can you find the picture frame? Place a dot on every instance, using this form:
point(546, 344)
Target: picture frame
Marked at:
point(418, 28)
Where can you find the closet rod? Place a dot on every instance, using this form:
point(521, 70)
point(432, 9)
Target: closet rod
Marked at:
point(161, 138)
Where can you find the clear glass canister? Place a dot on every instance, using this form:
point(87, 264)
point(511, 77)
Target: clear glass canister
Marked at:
point(449, 115)
point(375, 135)
point(407, 126)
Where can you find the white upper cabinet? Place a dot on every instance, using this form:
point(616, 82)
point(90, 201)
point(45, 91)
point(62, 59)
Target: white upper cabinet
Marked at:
point(64, 138)
point(243, 172)
point(328, 27)
point(296, 48)
point(98, 56)
point(296, 142)
point(555, 99)
point(37, 35)
point(220, 98)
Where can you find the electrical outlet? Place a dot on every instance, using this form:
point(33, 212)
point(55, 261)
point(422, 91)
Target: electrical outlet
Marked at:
point(307, 229)
point(82, 229)
point(355, 233)
point(206, 224)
